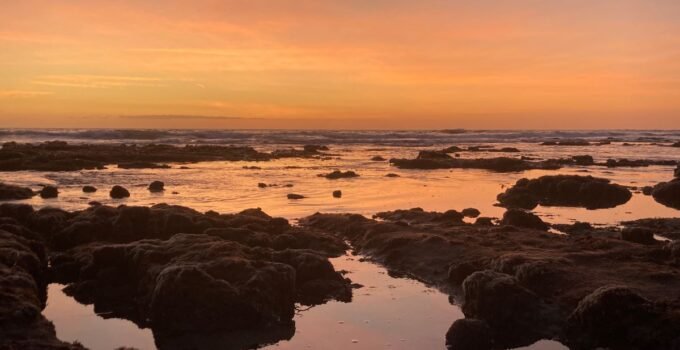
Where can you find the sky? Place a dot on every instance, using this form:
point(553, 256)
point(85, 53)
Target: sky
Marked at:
point(340, 64)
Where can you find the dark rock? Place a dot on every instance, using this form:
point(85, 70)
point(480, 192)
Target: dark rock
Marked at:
point(418, 215)
point(470, 212)
point(647, 190)
point(262, 185)
point(506, 306)
point(564, 190)
point(617, 317)
point(157, 186)
point(467, 333)
point(89, 189)
point(315, 148)
point(378, 159)
point(521, 218)
point(337, 193)
point(392, 175)
point(118, 192)
point(676, 172)
point(441, 160)
point(295, 196)
point(484, 221)
point(668, 193)
point(452, 149)
point(142, 165)
point(49, 192)
point(337, 174)
point(638, 235)
point(11, 192)
point(583, 160)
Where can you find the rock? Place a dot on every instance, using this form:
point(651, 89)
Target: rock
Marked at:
point(564, 190)
point(467, 333)
point(295, 196)
point(638, 235)
point(11, 192)
point(378, 159)
point(418, 215)
point(507, 307)
point(484, 221)
point(521, 218)
point(668, 193)
point(441, 160)
point(617, 317)
point(315, 148)
point(470, 212)
point(566, 143)
point(49, 192)
point(583, 160)
point(262, 185)
point(142, 165)
point(452, 149)
point(337, 193)
point(647, 190)
point(676, 172)
point(337, 174)
point(157, 186)
point(677, 144)
point(392, 175)
point(23, 282)
point(118, 192)
point(89, 189)
point(94, 203)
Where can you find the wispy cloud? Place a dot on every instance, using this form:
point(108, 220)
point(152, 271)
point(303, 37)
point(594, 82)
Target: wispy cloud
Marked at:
point(11, 94)
point(181, 117)
point(97, 81)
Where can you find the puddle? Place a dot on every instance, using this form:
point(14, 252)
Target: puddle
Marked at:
point(387, 313)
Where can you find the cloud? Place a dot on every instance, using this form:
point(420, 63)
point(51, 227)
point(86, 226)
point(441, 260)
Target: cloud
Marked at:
point(11, 94)
point(97, 81)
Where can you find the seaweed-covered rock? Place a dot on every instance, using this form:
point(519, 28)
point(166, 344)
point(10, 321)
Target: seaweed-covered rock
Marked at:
point(49, 192)
point(565, 190)
point(157, 186)
point(617, 317)
point(668, 193)
point(638, 235)
point(521, 218)
point(337, 174)
point(11, 192)
point(118, 192)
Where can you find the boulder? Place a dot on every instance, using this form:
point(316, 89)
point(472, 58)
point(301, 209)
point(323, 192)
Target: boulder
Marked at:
point(565, 190)
point(521, 218)
point(617, 317)
point(89, 189)
point(469, 333)
point(49, 192)
point(119, 192)
point(157, 186)
point(668, 193)
point(337, 194)
point(11, 192)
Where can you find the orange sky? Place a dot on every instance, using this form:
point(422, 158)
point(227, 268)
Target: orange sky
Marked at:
point(340, 64)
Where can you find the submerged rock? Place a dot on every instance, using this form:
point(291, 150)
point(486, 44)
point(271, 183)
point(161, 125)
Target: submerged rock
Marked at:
point(49, 192)
point(157, 186)
point(565, 190)
point(11, 192)
point(118, 192)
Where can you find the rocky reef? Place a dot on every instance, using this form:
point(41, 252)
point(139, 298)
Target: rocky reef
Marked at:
point(196, 277)
point(589, 288)
point(441, 160)
point(62, 156)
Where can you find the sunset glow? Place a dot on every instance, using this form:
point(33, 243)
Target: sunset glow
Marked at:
point(340, 64)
